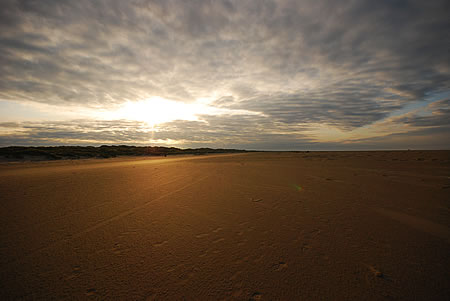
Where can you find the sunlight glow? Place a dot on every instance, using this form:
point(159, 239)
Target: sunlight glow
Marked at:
point(157, 110)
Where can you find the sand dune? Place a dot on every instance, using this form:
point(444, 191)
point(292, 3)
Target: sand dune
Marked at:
point(256, 226)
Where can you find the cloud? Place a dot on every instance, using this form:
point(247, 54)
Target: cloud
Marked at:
point(230, 131)
point(346, 64)
point(426, 127)
point(341, 109)
point(437, 114)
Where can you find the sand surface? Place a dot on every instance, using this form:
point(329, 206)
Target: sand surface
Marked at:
point(257, 226)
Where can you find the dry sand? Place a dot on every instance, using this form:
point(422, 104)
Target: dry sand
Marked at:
point(257, 226)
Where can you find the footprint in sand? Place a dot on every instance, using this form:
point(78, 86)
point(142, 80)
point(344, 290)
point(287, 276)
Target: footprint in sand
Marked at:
point(119, 251)
point(217, 230)
point(151, 297)
point(250, 229)
point(218, 240)
point(237, 293)
point(202, 235)
point(91, 292)
point(242, 260)
point(185, 278)
point(256, 296)
point(235, 275)
point(305, 247)
point(316, 232)
point(280, 266)
point(375, 272)
point(76, 269)
point(160, 244)
point(261, 257)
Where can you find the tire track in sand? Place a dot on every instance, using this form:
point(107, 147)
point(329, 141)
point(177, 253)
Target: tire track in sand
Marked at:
point(107, 221)
point(417, 223)
point(78, 211)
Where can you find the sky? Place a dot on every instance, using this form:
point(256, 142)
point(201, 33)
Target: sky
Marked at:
point(263, 75)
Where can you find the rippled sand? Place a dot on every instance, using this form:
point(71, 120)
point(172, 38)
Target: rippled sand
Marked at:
point(257, 226)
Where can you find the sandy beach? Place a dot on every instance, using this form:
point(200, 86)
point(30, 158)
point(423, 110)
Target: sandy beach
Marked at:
point(255, 226)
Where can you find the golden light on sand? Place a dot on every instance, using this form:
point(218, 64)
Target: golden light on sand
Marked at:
point(291, 214)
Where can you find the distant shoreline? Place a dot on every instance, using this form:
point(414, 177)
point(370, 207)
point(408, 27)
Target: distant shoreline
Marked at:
point(52, 153)
point(17, 154)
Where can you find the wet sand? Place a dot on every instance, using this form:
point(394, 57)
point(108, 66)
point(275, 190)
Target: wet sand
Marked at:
point(256, 226)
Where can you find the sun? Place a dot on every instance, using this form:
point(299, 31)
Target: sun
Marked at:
point(158, 110)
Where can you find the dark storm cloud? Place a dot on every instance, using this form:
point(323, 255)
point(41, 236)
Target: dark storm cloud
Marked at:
point(342, 63)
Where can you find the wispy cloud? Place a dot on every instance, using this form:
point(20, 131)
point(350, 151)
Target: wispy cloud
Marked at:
point(429, 126)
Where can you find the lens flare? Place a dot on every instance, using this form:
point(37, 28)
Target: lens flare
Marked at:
point(297, 187)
